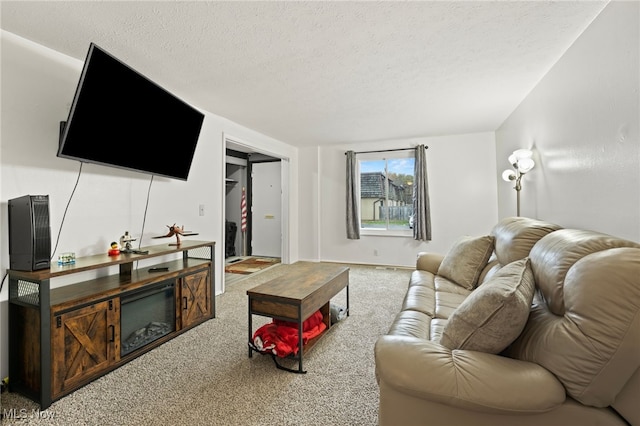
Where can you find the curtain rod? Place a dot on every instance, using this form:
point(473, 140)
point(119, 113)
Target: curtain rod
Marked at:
point(386, 150)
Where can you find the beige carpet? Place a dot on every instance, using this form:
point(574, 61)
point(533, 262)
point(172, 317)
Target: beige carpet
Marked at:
point(204, 376)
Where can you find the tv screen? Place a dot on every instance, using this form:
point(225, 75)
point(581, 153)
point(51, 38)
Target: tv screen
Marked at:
point(122, 119)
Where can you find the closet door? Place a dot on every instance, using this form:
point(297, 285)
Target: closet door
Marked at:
point(266, 225)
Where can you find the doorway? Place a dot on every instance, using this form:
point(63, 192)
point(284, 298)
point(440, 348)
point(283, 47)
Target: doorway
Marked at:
point(266, 198)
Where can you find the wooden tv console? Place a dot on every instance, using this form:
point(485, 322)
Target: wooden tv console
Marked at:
point(63, 338)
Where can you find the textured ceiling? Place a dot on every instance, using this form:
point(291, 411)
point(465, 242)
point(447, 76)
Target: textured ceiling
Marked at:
point(324, 72)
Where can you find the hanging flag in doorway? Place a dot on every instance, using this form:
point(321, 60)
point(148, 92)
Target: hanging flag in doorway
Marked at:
point(243, 212)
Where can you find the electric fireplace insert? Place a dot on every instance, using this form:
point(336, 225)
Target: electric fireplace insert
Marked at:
point(146, 315)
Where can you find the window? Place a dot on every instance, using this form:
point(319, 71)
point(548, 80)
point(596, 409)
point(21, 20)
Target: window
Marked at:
point(386, 192)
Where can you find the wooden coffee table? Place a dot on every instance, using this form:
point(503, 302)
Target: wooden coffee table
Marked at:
point(305, 288)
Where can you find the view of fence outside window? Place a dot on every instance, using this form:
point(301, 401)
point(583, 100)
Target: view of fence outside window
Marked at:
point(386, 191)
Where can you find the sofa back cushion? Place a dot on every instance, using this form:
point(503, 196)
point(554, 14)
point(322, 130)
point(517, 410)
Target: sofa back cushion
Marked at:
point(584, 325)
point(466, 259)
point(515, 236)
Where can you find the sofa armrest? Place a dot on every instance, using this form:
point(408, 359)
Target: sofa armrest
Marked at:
point(429, 262)
point(466, 379)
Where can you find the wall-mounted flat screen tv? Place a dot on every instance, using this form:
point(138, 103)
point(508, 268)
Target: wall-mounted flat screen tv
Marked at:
point(122, 119)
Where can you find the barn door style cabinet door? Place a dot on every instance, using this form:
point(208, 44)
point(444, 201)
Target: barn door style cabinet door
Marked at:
point(85, 343)
point(65, 337)
point(195, 298)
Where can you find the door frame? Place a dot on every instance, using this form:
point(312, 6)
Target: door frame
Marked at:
point(284, 181)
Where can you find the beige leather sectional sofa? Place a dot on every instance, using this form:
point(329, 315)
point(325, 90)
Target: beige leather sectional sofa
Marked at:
point(530, 325)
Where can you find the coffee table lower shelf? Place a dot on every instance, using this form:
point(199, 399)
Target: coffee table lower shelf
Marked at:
point(306, 347)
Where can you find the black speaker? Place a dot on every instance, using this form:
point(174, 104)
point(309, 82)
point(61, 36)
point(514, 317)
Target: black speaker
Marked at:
point(230, 238)
point(29, 233)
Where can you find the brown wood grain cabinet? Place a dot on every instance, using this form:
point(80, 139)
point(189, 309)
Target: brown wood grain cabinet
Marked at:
point(63, 338)
point(84, 343)
point(195, 298)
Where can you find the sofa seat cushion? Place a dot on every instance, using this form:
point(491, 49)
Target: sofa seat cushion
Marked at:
point(422, 278)
point(411, 323)
point(465, 261)
point(447, 303)
point(443, 285)
point(421, 299)
point(437, 327)
point(493, 315)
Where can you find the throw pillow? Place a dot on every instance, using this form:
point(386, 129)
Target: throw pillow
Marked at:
point(464, 262)
point(494, 314)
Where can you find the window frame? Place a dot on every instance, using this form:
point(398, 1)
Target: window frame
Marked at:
point(380, 156)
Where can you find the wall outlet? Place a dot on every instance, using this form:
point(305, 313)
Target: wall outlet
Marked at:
point(201, 210)
point(375, 252)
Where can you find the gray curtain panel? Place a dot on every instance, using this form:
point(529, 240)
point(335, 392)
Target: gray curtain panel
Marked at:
point(353, 225)
point(421, 210)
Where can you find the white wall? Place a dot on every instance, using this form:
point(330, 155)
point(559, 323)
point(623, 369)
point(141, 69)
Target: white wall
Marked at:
point(462, 185)
point(37, 89)
point(582, 120)
point(309, 201)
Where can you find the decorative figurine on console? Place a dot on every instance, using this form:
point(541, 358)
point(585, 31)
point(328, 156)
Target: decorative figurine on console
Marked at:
point(125, 243)
point(177, 231)
point(114, 250)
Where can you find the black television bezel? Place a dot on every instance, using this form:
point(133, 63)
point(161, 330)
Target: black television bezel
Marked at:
point(65, 126)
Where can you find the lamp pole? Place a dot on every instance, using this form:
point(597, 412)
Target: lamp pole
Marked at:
point(518, 187)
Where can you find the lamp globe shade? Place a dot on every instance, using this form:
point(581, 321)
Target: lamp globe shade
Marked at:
point(525, 164)
point(523, 153)
point(508, 175)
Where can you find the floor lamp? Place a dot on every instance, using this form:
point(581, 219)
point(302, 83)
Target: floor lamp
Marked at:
point(522, 163)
